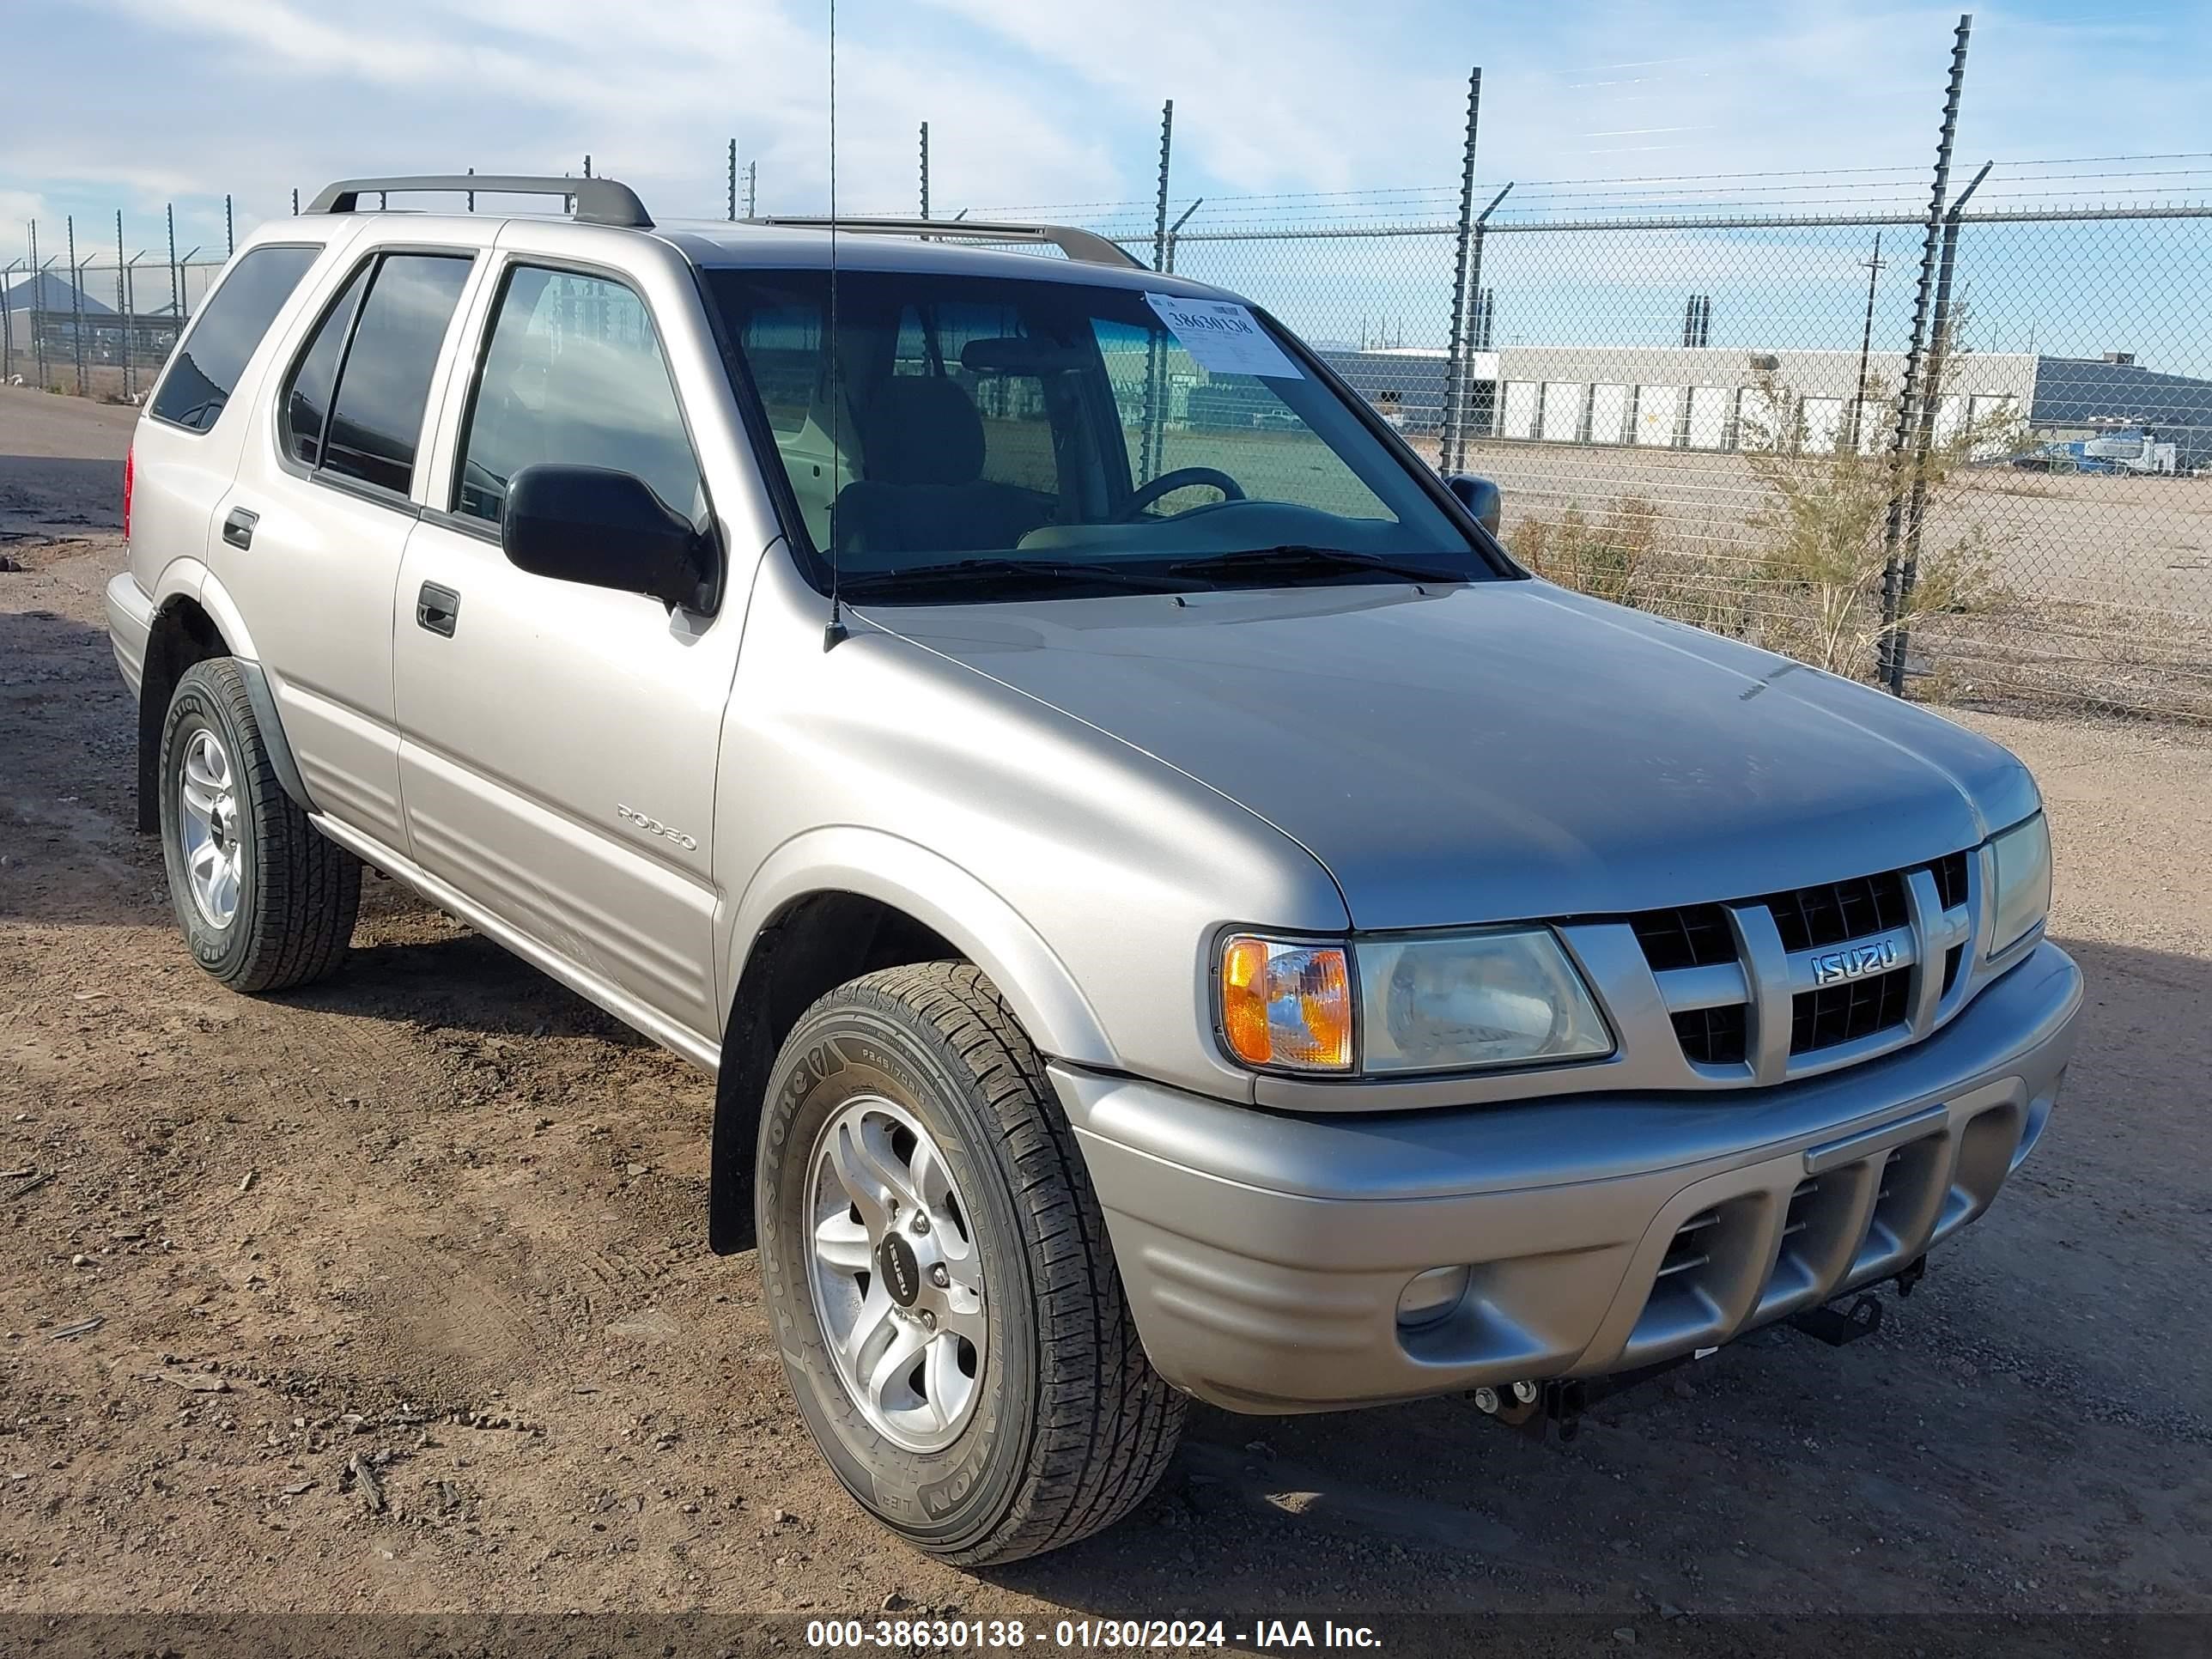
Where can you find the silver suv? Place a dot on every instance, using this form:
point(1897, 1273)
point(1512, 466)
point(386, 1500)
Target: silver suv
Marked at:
point(1174, 909)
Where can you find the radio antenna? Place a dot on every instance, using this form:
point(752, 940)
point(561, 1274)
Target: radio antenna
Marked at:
point(834, 633)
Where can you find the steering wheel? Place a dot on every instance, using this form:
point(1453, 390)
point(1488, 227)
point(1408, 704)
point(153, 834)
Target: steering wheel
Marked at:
point(1182, 479)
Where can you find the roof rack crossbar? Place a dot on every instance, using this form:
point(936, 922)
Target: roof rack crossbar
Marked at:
point(1086, 247)
point(598, 201)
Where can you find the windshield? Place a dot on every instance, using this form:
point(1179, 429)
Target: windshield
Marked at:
point(986, 432)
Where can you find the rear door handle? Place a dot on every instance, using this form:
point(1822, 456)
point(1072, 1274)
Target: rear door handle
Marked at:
point(437, 609)
point(238, 527)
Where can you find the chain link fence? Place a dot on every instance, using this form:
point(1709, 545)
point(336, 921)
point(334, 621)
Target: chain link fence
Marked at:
point(1693, 393)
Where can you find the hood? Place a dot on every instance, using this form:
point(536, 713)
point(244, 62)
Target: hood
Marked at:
point(1502, 749)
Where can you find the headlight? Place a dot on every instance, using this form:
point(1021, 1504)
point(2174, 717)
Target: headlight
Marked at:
point(1489, 998)
point(2023, 860)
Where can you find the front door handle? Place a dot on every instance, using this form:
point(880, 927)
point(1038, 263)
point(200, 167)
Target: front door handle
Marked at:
point(238, 527)
point(437, 609)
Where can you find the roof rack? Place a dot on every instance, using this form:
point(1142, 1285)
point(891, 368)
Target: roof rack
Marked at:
point(1086, 247)
point(597, 201)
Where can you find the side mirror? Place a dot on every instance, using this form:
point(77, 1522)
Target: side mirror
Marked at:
point(1479, 496)
point(606, 529)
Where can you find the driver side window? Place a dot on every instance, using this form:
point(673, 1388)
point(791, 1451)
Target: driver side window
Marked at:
point(573, 373)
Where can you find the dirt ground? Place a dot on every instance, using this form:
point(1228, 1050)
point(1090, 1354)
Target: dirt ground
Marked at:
point(437, 1226)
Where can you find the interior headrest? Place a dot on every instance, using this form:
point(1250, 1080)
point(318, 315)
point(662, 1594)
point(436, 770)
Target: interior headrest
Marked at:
point(922, 429)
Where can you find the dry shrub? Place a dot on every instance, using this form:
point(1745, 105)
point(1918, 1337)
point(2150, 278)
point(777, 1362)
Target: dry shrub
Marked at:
point(1628, 555)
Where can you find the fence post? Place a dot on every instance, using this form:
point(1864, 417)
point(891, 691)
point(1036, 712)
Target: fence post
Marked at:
point(1172, 229)
point(176, 277)
point(230, 228)
point(752, 189)
point(1452, 452)
point(1938, 349)
point(1889, 661)
point(38, 293)
point(925, 169)
point(77, 307)
point(734, 178)
point(1160, 207)
point(7, 324)
point(123, 304)
point(1154, 392)
point(131, 344)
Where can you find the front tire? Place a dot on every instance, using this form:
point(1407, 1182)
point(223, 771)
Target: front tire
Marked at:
point(263, 901)
point(936, 1265)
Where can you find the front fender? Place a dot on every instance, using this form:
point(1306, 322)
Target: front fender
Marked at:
point(1053, 1010)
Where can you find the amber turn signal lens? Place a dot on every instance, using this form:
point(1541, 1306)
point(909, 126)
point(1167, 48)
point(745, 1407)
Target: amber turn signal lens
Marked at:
point(1286, 1005)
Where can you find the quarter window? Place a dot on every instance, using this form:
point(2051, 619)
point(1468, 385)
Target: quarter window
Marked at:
point(384, 373)
point(220, 343)
point(574, 374)
point(306, 405)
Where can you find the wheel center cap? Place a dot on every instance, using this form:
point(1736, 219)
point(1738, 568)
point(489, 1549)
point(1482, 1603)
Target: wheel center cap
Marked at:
point(902, 1270)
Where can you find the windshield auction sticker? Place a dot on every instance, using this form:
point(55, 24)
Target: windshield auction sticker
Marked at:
point(1223, 337)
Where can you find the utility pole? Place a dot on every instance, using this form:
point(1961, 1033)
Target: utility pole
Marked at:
point(1874, 265)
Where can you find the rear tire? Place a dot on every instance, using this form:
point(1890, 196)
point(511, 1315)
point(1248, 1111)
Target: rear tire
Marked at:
point(263, 901)
point(1029, 1416)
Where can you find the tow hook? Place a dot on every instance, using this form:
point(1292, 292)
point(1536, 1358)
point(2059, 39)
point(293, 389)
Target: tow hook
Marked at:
point(1536, 1408)
point(1838, 1327)
point(1913, 1272)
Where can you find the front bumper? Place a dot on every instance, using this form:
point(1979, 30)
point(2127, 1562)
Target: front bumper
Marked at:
point(1264, 1254)
point(129, 622)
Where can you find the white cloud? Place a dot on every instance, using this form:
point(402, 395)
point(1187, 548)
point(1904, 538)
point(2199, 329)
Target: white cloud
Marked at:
point(1045, 101)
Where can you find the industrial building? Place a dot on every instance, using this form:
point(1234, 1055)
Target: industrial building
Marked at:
point(1717, 398)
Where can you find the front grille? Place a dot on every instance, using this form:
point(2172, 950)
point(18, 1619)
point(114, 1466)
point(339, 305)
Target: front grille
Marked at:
point(1698, 936)
point(1812, 918)
point(1712, 1037)
point(1818, 918)
point(1950, 875)
point(1835, 1014)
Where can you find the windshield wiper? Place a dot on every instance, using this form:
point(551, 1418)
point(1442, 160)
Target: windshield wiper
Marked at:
point(1299, 558)
point(956, 571)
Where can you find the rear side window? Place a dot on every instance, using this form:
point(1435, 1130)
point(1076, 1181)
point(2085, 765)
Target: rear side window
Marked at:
point(307, 398)
point(383, 371)
point(237, 314)
point(573, 373)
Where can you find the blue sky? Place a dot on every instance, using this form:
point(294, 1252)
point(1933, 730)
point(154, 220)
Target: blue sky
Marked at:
point(131, 104)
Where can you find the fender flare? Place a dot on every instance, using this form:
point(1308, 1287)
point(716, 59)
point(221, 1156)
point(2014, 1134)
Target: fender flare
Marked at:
point(949, 900)
point(928, 886)
point(189, 579)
